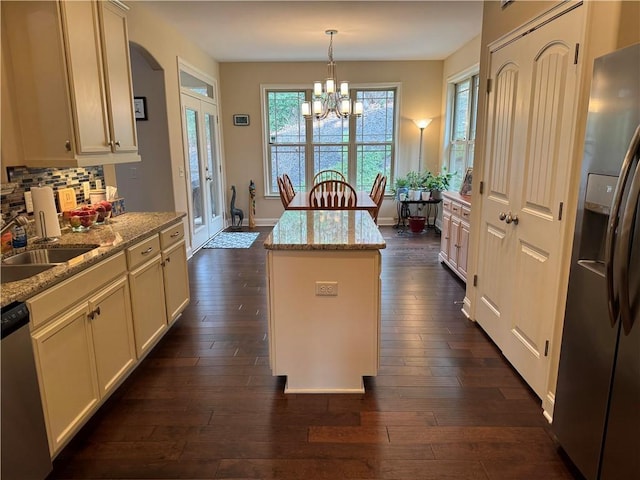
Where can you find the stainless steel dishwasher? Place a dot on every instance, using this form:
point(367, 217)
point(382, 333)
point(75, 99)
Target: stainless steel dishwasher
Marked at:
point(25, 450)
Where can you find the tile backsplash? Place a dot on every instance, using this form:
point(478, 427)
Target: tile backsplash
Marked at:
point(24, 178)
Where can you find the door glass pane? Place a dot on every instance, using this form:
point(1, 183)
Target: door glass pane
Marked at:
point(194, 166)
point(212, 164)
point(195, 84)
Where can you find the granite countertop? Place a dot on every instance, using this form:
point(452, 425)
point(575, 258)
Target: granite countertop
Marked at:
point(121, 232)
point(325, 230)
point(466, 199)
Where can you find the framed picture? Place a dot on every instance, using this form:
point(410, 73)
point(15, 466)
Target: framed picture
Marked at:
point(465, 189)
point(241, 119)
point(140, 107)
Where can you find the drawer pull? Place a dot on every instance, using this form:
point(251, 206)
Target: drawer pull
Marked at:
point(176, 234)
point(147, 251)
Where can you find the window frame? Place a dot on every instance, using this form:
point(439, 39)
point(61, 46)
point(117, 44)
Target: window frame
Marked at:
point(351, 145)
point(448, 142)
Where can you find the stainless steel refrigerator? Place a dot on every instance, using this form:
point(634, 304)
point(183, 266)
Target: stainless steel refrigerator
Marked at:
point(597, 406)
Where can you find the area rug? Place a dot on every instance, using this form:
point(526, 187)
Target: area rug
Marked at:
point(232, 240)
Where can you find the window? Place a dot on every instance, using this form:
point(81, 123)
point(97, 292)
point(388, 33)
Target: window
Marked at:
point(359, 147)
point(462, 114)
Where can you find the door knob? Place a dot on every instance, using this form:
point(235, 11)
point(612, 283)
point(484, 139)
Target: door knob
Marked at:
point(511, 218)
point(502, 216)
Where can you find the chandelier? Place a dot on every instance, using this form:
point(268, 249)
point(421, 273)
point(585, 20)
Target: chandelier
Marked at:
point(329, 97)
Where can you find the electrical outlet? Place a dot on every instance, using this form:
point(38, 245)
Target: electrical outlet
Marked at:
point(98, 184)
point(28, 201)
point(326, 289)
point(86, 187)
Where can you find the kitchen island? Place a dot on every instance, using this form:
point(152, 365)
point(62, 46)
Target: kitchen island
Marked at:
point(323, 270)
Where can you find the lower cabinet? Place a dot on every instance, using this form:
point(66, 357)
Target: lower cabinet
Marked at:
point(67, 375)
point(454, 243)
point(112, 334)
point(176, 274)
point(147, 301)
point(91, 330)
point(83, 353)
point(176, 280)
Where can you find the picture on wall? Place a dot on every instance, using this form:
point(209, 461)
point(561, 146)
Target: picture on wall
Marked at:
point(241, 119)
point(465, 189)
point(140, 108)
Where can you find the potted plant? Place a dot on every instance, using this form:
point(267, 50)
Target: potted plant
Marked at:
point(400, 187)
point(439, 183)
point(416, 182)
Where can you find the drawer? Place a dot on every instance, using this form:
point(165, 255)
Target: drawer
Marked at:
point(455, 208)
point(45, 305)
point(171, 235)
point(466, 213)
point(143, 251)
point(446, 204)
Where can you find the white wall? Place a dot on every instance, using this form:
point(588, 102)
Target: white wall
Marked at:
point(421, 90)
point(146, 186)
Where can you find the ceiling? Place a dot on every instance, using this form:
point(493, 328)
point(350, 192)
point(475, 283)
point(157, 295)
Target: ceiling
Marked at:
point(270, 31)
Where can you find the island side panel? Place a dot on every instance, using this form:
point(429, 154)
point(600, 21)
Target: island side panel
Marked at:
point(324, 343)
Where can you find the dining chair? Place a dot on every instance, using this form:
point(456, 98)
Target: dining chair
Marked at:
point(284, 198)
point(379, 196)
point(288, 185)
point(328, 175)
point(375, 185)
point(332, 195)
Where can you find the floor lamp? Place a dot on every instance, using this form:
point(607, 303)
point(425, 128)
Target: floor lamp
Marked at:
point(421, 124)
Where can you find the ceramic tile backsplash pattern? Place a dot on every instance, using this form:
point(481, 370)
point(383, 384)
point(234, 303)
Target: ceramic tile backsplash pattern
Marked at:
point(56, 178)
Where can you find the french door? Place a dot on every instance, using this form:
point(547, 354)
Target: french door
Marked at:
point(201, 144)
point(530, 128)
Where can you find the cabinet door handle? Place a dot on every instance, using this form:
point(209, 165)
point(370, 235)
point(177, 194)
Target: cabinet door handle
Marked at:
point(93, 313)
point(512, 218)
point(117, 143)
point(147, 251)
point(502, 216)
point(67, 146)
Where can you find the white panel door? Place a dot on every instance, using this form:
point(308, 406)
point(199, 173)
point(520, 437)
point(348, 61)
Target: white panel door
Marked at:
point(529, 134)
point(499, 179)
point(549, 109)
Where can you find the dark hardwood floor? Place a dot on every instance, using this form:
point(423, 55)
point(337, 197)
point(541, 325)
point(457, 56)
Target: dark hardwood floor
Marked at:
point(445, 404)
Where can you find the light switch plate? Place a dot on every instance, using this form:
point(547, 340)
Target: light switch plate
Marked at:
point(98, 184)
point(326, 289)
point(28, 202)
point(86, 187)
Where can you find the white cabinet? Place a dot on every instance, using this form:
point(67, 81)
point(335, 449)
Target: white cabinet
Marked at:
point(454, 242)
point(147, 293)
point(175, 273)
point(83, 347)
point(112, 334)
point(83, 113)
point(67, 375)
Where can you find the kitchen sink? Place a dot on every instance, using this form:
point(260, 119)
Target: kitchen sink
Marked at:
point(13, 273)
point(46, 256)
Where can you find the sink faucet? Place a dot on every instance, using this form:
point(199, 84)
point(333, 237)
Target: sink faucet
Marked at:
point(17, 219)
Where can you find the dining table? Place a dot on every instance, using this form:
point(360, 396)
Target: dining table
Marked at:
point(364, 202)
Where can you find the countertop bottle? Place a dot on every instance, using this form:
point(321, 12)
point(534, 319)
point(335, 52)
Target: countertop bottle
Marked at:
point(19, 238)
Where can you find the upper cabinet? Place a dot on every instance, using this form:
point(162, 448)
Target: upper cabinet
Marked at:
point(70, 82)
